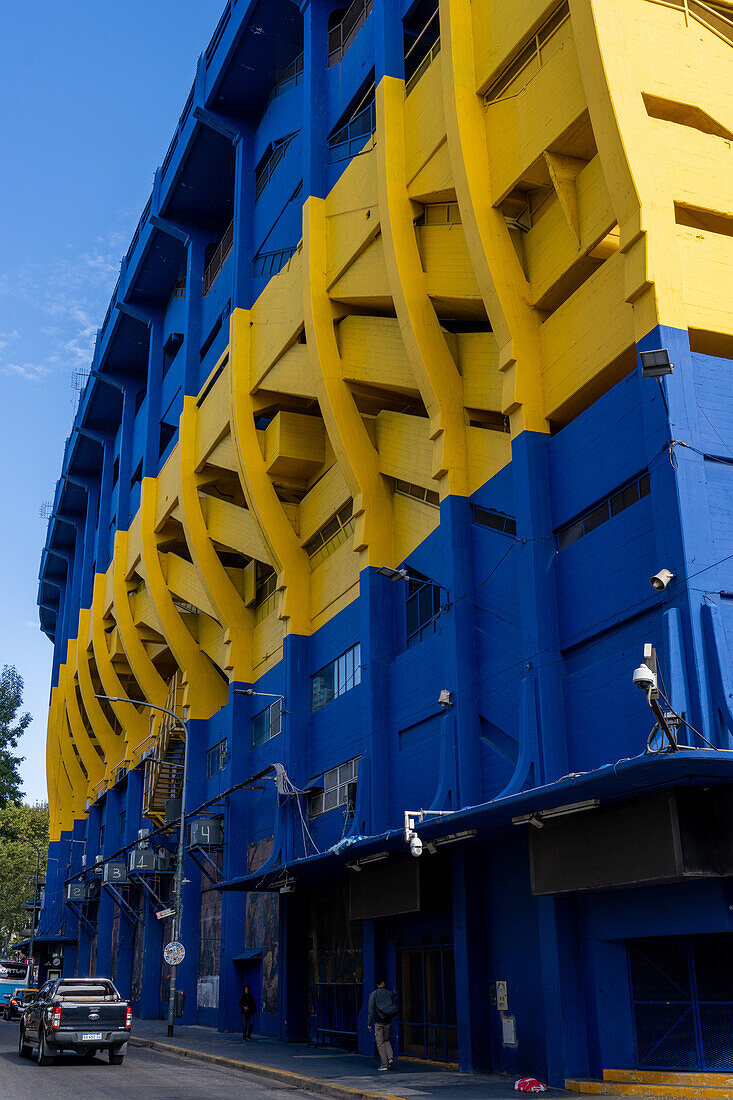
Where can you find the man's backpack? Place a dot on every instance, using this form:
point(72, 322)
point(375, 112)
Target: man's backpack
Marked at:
point(388, 1013)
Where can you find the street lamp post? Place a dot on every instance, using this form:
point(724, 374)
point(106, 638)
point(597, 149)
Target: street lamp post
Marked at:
point(178, 880)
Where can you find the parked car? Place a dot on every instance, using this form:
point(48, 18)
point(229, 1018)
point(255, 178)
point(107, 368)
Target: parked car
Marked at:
point(14, 1004)
point(83, 1015)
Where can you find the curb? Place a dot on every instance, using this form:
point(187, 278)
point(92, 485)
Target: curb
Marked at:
point(284, 1076)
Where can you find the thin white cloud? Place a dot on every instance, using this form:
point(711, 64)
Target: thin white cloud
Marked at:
point(29, 372)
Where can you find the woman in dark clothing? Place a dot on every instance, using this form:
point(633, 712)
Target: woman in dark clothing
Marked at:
point(248, 1008)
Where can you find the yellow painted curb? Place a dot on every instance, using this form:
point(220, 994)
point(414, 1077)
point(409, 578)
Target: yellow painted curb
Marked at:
point(664, 1077)
point(665, 1087)
point(297, 1080)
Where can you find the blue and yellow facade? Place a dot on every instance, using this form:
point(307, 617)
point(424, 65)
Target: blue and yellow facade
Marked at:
point(384, 310)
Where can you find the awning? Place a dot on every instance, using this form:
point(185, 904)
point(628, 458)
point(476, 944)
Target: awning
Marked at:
point(246, 956)
point(610, 783)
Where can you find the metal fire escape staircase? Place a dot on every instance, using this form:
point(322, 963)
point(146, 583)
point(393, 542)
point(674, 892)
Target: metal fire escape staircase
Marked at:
point(164, 765)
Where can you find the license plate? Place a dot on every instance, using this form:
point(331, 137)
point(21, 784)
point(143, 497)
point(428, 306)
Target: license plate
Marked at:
point(89, 1036)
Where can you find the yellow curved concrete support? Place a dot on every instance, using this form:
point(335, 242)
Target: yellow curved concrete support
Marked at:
point(638, 178)
point(351, 443)
point(131, 720)
point(115, 749)
point(230, 609)
point(80, 786)
point(501, 280)
point(53, 770)
point(207, 691)
point(151, 683)
point(434, 369)
point(90, 757)
point(286, 553)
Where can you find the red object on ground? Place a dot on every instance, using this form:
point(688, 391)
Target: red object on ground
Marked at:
point(529, 1084)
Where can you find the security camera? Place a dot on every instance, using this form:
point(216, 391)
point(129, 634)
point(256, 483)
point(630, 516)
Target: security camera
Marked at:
point(661, 579)
point(644, 678)
point(415, 846)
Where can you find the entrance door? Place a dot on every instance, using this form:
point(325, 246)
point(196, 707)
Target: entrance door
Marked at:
point(428, 1013)
point(682, 992)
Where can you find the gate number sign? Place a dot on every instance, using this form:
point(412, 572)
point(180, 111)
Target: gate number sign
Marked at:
point(174, 953)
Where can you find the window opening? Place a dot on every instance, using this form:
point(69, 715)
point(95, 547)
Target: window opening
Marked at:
point(171, 347)
point(216, 758)
point(339, 789)
point(333, 534)
point(423, 607)
point(265, 592)
point(289, 78)
point(337, 677)
point(266, 264)
point(348, 141)
point(422, 42)
point(274, 154)
point(530, 56)
point(611, 506)
point(497, 521)
point(267, 724)
point(428, 496)
point(342, 35)
point(217, 260)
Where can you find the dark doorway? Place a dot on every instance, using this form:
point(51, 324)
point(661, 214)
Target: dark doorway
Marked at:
point(428, 1011)
point(682, 993)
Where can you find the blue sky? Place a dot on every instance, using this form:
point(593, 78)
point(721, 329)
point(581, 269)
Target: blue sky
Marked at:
point(92, 93)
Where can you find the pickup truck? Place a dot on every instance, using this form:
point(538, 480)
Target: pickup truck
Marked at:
point(83, 1015)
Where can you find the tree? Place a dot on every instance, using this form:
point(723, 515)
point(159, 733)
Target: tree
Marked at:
point(11, 700)
point(18, 825)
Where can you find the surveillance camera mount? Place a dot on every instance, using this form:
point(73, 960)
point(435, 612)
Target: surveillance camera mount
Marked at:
point(666, 720)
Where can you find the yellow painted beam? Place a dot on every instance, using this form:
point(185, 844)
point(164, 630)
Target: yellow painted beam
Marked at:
point(347, 432)
point(89, 756)
point(207, 690)
point(498, 271)
point(115, 749)
point(151, 683)
point(435, 371)
point(134, 723)
point(226, 600)
point(284, 550)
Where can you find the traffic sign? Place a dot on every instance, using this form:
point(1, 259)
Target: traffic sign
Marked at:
point(30, 961)
point(174, 953)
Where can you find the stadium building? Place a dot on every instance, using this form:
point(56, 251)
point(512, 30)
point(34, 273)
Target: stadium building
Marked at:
point(417, 369)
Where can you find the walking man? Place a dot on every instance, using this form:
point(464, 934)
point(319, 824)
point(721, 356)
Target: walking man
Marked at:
point(248, 1008)
point(381, 1012)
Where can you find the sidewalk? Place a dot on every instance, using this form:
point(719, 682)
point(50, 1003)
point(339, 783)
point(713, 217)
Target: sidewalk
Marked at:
point(326, 1070)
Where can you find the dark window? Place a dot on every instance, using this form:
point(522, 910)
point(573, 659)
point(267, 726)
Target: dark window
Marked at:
point(497, 521)
point(611, 506)
point(139, 398)
point(116, 471)
point(423, 608)
point(349, 138)
point(343, 27)
point(216, 758)
point(337, 677)
point(429, 496)
point(138, 475)
point(422, 40)
point(266, 168)
point(332, 535)
point(216, 329)
point(267, 724)
point(339, 789)
point(167, 431)
point(123, 821)
point(171, 348)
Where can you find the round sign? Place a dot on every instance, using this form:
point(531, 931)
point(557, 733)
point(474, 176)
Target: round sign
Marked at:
point(30, 961)
point(174, 953)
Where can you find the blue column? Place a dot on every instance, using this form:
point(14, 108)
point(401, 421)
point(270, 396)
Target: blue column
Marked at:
point(369, 965)
point(562, 991)
point(315, 98)
point(537, 599)
point(244, 202)
point(151, 459)
point(377, 639)
point(388, 40)
point(194, 285)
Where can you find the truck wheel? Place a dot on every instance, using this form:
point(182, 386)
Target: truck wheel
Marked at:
point(116, 1059)
point(42, 1055)
point(24, 1051)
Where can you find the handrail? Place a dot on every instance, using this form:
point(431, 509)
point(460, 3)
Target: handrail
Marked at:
point(343, 34)
point(272, 263)
point(355, 131)
point(217, 260)
point(265, 173)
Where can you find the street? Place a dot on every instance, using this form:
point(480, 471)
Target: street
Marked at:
point(145, 1073)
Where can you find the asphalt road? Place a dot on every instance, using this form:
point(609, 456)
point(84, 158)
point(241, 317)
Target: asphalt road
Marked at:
point(144, 1075)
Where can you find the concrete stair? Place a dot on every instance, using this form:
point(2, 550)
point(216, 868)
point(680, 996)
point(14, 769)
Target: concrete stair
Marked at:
point(639, 1082)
